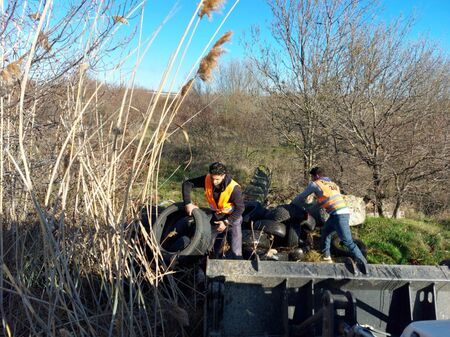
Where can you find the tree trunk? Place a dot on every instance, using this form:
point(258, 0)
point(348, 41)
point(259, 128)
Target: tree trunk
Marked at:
point(398, 202)
point(305, 167)
point(378, 188)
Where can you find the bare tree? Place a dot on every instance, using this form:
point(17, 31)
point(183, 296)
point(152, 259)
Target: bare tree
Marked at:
point(420, 153)
point(386, 92)
point(340, 83)
point(296, 70)
point(236, 77)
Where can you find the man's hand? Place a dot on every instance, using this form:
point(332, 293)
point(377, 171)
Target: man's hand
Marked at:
point(220, 226)
point(189, 208)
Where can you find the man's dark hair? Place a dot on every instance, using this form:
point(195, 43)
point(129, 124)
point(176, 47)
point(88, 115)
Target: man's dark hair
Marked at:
point(217, 168)
point(316, 170)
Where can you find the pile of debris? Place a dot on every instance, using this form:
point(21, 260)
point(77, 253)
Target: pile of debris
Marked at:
point(281, 233)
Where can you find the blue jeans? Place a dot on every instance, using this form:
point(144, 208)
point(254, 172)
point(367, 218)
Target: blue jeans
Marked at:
point(339, 223)
point(217, 239)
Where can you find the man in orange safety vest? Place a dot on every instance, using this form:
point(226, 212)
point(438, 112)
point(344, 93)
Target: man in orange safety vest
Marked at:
point(224, 197)
point(329, 197)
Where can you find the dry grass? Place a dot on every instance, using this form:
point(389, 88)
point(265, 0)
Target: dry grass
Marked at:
point(313, 256)
point(77, 261)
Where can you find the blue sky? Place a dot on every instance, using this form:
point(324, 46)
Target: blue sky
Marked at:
point(433, 17)
point(432, 21)
point(245, 14)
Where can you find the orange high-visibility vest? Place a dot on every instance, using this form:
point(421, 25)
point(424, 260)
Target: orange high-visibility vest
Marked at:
point(331, 198)
point(224, 206)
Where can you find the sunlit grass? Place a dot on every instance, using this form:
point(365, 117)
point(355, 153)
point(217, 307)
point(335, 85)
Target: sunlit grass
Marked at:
point(405, 241)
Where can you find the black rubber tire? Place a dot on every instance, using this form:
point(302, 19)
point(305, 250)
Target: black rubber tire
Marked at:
point(296, 212)
point(339, 250)
point(200, 240)
point(286, 212)
point(183, 227)
point(279, 213)
point(296, 254)
point(260, 182)
point(255, 189)
point(293, 233)
point(271, 227)
point(263, 172)
point(255, 238)
point(254, 197)
point(253, 211)
point(319, 214)
point(258, 188)
point(149, 214)
point(309, 222)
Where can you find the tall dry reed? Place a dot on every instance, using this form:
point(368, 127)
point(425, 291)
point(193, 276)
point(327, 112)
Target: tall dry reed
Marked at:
point(76, 170)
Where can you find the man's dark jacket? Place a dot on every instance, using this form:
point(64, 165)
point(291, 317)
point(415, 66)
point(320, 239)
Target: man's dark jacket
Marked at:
point(235, 198)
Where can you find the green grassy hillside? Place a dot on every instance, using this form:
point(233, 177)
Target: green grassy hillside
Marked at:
point(405, 241)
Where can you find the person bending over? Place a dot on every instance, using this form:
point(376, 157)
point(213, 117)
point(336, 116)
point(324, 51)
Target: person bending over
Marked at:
point(224, 197)
point(329, 197)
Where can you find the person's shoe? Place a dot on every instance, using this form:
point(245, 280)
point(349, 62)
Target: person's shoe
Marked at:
point(327, 259)
point(351, 265)
point(362, 266)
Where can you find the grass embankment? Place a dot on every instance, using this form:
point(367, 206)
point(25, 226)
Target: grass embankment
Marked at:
point(405, 241)
point(170, 187)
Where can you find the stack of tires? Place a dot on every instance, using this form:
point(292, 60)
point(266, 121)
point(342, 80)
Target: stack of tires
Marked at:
point(283, 233)
point(258, 188)
point(275, 233)
point(271, 233)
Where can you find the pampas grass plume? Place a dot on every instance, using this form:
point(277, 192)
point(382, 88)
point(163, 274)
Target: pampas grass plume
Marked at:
point(210, 6)
point(43, 41)
point(35, 16)
point(209, 62)
point(224, 38)
point(186, 87)
point(5, 76)
point(14, 68)
point(11, 71)
point(120, 19)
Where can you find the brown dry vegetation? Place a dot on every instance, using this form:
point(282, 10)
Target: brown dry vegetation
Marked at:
point(79, 158)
